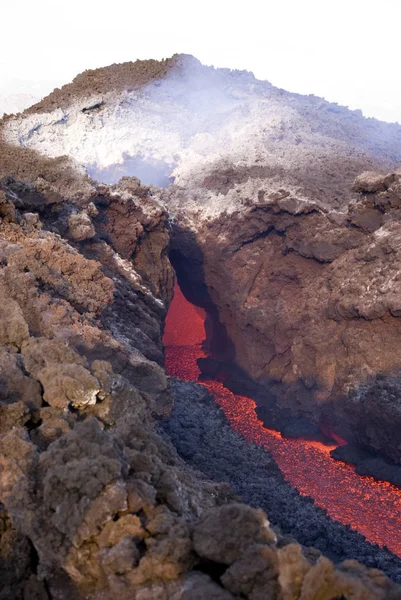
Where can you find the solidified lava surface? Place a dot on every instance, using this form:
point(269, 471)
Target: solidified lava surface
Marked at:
point(372, 508)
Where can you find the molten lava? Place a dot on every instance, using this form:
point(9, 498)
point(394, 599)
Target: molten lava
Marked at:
point(370, 507)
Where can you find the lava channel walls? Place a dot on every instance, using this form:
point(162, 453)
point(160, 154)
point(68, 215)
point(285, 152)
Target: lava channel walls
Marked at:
point(372, 508)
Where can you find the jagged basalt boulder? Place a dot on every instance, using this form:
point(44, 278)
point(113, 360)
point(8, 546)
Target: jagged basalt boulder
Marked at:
point(254, 574)
point(68, 384)
point(370, 182)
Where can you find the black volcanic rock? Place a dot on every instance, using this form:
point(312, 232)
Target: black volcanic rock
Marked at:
point(374, 412)
point(204, 439)
point(368, 464)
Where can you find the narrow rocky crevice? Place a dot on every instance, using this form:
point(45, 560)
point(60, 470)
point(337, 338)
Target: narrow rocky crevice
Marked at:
point(299, 334)
point(220, 363)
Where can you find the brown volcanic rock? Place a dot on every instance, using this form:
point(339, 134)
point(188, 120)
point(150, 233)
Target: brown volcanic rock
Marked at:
point(65, 483)
point(133, 221)
point(13, 328)
point(64, 270)
point(17, 574)
point(56, 179)
point(15, 384)
point(214, 540)
point(310, 298)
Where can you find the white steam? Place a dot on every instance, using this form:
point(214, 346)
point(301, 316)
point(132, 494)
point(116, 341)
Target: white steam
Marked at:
point(187, 118)
point(198, 121)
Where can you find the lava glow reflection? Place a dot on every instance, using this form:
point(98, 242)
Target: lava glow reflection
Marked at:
point(372, 508)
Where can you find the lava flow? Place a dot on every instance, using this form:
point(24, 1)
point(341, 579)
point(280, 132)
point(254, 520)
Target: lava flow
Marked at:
point(370, 507)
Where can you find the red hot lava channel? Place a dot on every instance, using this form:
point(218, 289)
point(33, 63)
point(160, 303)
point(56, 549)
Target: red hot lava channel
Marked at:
point(370, 507)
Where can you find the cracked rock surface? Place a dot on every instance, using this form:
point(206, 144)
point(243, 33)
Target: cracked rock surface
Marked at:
point(309, 299)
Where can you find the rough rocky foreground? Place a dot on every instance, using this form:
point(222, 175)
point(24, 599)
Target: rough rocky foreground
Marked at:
point(95, 503)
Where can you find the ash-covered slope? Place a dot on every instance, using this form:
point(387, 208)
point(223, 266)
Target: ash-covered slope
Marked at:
point(219, 131)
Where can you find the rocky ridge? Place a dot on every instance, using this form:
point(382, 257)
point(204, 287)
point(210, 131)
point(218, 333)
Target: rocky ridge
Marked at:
point(221, 135)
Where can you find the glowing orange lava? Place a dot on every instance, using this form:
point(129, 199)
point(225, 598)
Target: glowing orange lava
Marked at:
point(370, 507)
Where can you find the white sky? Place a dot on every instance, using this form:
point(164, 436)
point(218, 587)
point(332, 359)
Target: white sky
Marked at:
point(343, 50)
